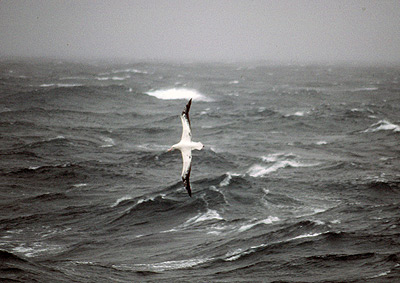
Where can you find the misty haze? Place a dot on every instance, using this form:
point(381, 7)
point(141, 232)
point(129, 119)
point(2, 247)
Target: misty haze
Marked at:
point(283, 31)
point(296, 103)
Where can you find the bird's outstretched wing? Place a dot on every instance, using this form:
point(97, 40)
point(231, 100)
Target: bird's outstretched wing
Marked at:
point(186, 129)
point(187, 167)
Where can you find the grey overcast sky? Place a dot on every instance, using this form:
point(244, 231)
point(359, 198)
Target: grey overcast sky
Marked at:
point(207, 30)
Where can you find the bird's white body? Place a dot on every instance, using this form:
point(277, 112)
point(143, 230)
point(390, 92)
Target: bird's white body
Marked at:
point(186, 148)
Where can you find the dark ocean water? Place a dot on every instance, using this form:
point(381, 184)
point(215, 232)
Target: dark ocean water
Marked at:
point(299, 180)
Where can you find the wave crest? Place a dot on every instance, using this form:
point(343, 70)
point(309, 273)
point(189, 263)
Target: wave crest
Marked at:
point(178, 93)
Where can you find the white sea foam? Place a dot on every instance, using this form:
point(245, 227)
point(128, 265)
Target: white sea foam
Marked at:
point(238, 253)
point(130, 70)
point(269, 220)
point(321, 143)
point(60, 85)
point(306, 236)
point(259, 170)
point(364, 89)
point(37, 248)
point(80, 185)
point(34, 167)
point(178, 93)
point(279, 160)
point(210, 214)
point(109, 142)
point(273, 157)
point(383, 125)
point(226, 181)
point(113, 78)
point(234, 255)
point(118, 201)
point(381, 274)
point(163, 266)
point(298, 114)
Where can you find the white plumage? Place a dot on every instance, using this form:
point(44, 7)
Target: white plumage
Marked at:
point(186, 146)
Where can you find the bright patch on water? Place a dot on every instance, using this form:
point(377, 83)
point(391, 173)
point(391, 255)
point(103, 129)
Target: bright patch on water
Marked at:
point(178, 93)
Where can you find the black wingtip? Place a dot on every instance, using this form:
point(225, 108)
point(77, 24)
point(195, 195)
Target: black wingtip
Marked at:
point(185, 111)
point(187, 108)
point(186, 183)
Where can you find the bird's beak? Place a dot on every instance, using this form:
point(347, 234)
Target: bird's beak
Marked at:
point(169, 150)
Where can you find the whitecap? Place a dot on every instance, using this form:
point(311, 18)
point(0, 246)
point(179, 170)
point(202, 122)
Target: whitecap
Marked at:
point(113, 78)
point(273, 157)
point(260, 171)
point(269, 220)
point(178, 93)
point(234, 255)
point(298, 114)
point(130, 70)
point(207, 216)
point(306, 236)
point(116, 78)
point(109, 142)
point(102, 78)
point(37, 248)
point(165, 265)
point(238, 253)
point(80, 185)
point(381, 274)
point(383, 125)
point(226, 181)
point(321, 143)
point(60, 85)
point(234, 82)
point(364, 89)
point(34, 167)
point(118, 201)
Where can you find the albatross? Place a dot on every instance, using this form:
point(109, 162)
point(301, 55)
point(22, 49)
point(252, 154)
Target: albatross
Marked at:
point(186, 146)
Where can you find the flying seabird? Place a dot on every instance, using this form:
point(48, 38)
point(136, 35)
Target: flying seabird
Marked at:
point(186, 146)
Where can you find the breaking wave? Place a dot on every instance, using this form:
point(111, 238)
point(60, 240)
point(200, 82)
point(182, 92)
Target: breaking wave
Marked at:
point(178, 93)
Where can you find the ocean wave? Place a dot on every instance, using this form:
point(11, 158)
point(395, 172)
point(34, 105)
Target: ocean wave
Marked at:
point(364, 89)
point(273, 157)
point(248, 226)
point(383, 125)
point(130, 70)
point(60, 85)
point(7, 256)
point(44, 168)
point(109, 142)
point(202, 218)
point(113, 78)
point(260, 171)
point(209, 215)
point(178, 93)
point(37, 249)
point(240, 252)
point(162, 266)
point(121, 199)
point(298, 114)
point(279, 161)
point(228, 179)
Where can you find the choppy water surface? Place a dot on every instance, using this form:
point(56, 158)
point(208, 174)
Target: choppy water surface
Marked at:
point(299, 179)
